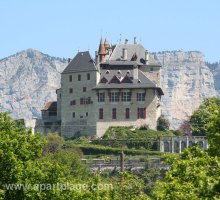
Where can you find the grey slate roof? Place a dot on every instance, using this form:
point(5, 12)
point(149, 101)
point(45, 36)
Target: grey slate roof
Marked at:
point(131, 50)
point(141, 82)
point(122, 62)
point(141, 77)
point(127, 86)
point(81, 62)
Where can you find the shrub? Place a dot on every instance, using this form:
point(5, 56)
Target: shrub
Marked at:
point(163, 124)
point(54, 143)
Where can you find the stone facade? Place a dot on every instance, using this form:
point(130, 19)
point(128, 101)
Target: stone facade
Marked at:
point(78, 117)
point(119, 88)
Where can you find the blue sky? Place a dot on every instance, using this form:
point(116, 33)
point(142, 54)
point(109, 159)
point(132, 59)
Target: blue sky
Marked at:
point(62, 27)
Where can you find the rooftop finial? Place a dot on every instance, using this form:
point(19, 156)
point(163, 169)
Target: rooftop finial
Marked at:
point(135, 42)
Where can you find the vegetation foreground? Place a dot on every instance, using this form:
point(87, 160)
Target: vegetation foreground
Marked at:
point(32, 167)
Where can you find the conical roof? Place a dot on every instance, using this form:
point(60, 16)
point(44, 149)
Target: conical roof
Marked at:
point(102, 48)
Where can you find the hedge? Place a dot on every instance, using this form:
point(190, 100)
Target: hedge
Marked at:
point(89, 149)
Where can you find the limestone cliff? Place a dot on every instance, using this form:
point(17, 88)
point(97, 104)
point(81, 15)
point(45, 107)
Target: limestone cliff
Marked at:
point(28, 80)
point(215, 68)
point(186, 80)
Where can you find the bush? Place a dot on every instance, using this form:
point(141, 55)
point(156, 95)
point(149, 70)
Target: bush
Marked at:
point(54, 143)
point(163, 124)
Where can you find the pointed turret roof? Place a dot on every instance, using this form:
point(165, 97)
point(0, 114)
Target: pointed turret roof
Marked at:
point(102, 48)
point(106, 44)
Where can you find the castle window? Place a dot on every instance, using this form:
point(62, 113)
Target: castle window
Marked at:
point(100, 113)
point(126, 96)
point(101, 97)
point(73, 102)
point(70, 78)
point(52, 113)
point(73, 114)
point(87, 114)
point(85, 101)
point(127, 113)
point(88, 100)
point(71, 90)
point(141, 113)
point(88, 76)
point(141, 96)
point(84, 89)
point(114, 114)
point(79, 77)
point(114, 96)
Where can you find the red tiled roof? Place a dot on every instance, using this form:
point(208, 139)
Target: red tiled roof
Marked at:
point(52, 105)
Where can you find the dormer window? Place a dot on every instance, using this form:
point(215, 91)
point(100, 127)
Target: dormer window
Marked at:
point(107, 72)
point(128, 72)
point(119, 72)
point(103, 80)
point(115, 80)
point(126, 79)
point(139, 81)
point(134, 57)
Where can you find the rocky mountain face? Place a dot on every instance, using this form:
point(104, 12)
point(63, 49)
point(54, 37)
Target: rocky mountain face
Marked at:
point(30, 78)
point(215, 68)
point(186, 80)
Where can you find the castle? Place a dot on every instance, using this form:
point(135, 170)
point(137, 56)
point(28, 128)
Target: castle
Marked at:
point(120, 87)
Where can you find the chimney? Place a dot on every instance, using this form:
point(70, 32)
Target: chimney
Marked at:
point(124, 54)
point(96, 57)
point(126, 41)
point(69, 60)
point(146, 57)
point(135, 72)
point(135, 42)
